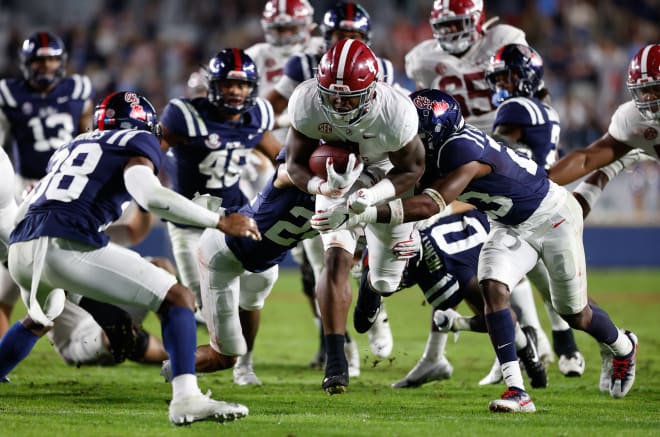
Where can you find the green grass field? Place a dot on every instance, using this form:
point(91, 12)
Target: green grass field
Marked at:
point(48, 398)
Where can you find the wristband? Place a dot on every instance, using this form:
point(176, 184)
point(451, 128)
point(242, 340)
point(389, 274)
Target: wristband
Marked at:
point(436, 197)
point(382, 190)
point(314, 185)
point(612, 169)
point(396, 211)
point(589, 192)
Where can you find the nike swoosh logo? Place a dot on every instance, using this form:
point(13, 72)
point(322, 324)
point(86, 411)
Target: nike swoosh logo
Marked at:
point(501, 346)
point(373, 318)
point(558, 223)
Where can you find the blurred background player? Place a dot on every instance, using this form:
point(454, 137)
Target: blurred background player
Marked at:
point(39, 113)
point(209, 139)
point(343, 20)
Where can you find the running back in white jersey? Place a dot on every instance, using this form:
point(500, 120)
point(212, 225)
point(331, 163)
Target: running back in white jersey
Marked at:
point(463, 77)
point(629, 127)
point(270, 61)
point(390, 124)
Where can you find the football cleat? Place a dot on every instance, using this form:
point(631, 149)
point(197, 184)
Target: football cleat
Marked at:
point(244, 375)
point(335, 384)
point(5, 379)
point(571, 365)
point(494, 376)
point(426, 371)
point(166, 371)
point(529, 358)
point(605, 369)
point(623, 370)
point(444, 319)
point(514, 400)
point(380, 335)
point(353, 358)
point(201, 407)
point(366, 309)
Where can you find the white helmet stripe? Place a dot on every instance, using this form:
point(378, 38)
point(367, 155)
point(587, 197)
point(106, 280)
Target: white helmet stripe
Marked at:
point(343, 56)
point(644, 60)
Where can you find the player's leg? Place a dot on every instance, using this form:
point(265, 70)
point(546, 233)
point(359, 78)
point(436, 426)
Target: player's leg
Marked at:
point(505, 258)
point(9, 294)
point(563, 255)
point(184, 244)
point(255, 288)
point(311, 263)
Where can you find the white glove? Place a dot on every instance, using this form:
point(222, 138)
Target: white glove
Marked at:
point(360, 200)
point(331, 219)
point(338, 184)
point(406, 249)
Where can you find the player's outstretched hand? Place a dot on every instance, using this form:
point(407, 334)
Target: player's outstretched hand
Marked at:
point(239, 225)
point(338, 184)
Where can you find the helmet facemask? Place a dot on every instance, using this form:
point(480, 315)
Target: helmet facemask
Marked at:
point(340, 118)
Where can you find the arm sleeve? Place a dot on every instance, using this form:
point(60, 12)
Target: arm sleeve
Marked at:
point(148, 192)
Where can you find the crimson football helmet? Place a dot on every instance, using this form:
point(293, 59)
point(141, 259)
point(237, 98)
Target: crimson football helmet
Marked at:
point(347, 71)
point(644, 81)
point(42, 45)
point(457, 24)
point(296, 15)
point(232, 64)
point(126, 110)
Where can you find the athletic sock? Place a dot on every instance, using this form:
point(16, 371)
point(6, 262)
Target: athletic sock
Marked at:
point(15, 345)
point(180, 339)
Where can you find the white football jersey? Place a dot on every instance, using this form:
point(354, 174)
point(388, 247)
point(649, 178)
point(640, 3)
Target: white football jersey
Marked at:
point(270, 60)
point(464, 78)
point(390, 124)
point(627, 126)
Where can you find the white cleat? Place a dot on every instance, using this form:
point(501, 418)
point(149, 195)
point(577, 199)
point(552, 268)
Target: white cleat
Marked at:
point(513, 400)
point(571, 365)
point(605, 369)
point(380, 335)
point(494, 376)
point(353, 358)
point(244, 375)
point(202, 407)
point(444, 319)
point(166, 371)
point(426, 371)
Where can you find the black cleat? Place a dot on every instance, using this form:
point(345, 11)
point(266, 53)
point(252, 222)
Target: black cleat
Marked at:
point(531, 361)
point(335, 384)
point(366, 309)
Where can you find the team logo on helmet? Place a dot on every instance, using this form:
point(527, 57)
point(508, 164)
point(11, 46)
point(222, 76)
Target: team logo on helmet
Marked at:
point(650, 133)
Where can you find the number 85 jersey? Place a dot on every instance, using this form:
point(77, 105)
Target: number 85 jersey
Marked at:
point(41, 123)
point(84, 189)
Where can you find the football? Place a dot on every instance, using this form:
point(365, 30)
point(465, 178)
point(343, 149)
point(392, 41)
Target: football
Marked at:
point(339, 152)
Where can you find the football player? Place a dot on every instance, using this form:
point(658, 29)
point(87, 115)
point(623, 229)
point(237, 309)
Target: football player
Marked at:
point(532, 218)
point(59, 244)
point(632, 136)
point(526, 122)
point(235, 281)
point(346, 102)
point(343, 20)
point(38, 113)
point(455, 61)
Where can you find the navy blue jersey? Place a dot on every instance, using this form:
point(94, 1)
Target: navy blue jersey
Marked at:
point(41, 123)
point(215, 151)
point(282, 216)
point(509, 194)
point(450, 252)
point(302, 66)
point(539, 124)
point(84, 189)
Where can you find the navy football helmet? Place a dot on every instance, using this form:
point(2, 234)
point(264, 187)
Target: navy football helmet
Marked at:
point(41, 45)
point(439, 116)
point(126, 110)
point(232, 64)
point(519, 65)
point(350, 17)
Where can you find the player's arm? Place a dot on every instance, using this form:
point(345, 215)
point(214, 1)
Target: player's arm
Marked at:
point(578, 163)
point(146, 189)
point(269, 146)
point(279, 103)
point(298, 150)
point(85, 123)
point(134, 230)
point(170, 139)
